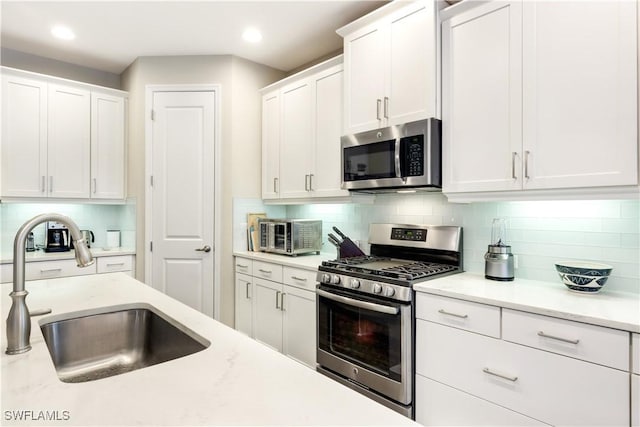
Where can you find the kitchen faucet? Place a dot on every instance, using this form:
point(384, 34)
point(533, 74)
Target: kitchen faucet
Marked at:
point(19, 319)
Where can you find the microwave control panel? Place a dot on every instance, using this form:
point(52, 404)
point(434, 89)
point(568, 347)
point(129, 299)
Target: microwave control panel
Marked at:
point(412, 155)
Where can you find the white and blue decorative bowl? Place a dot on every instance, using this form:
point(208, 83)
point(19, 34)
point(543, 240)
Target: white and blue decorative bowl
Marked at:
point(584, 277)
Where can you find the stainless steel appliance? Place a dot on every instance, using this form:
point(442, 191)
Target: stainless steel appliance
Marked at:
point(56, 237)
point(290, 236)
point(498, 263)
point(366, 312)
point(396, 158)
point(88, 237)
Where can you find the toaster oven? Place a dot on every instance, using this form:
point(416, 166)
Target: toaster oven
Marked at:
point(290, 236)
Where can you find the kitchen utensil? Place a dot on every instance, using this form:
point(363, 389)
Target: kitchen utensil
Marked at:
point(335, 242)
point(499, 259)
point(584, 277)
point(88, 237)
point(348, 248)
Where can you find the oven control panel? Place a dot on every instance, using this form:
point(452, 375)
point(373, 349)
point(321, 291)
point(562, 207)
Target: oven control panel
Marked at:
point(388, 290)
point(410, 234)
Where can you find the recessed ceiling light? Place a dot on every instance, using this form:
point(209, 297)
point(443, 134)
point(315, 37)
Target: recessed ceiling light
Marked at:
point(252, 35)
point(62, 32)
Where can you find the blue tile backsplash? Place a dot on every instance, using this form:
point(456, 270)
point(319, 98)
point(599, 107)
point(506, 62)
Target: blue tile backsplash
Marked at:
point(540, 232)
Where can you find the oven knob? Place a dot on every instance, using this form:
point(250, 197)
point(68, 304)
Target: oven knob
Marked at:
point(355, 283)
point(326, 278)
point(389, 292)
point(335, 279)
point(377, 288)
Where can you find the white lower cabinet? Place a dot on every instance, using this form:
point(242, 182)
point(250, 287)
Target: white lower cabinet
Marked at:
point(447, 406)
point(276, 306)
point(538, 375)
point(635, 381)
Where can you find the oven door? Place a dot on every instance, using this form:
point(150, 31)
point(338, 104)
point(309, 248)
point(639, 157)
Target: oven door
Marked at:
point(366, 340)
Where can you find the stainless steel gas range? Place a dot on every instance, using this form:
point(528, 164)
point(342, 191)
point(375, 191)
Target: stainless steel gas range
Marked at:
point(366, 312)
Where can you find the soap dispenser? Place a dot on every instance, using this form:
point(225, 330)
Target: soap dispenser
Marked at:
point(499, 259)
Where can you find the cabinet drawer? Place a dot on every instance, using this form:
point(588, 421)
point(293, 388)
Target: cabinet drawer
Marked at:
point(112, 264)
point(635, 354)
point(605, 346)
point(267, 270)
point(552, 388)
point(53, 269)
point(244, 266)
point(299, 278)
point(6, 273)
point(439, 405)
point(480, 318)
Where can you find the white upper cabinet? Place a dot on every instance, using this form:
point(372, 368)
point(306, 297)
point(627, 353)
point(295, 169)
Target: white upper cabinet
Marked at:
point(301, 129)
point(107, 147)
point(390, 66)
point(69, 147)
point(24, 137)
point(540, 96)
point(61, 139)
point(270, 144)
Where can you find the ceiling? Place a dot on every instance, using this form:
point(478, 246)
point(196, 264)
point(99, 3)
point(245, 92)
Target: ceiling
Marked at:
point(110, 35)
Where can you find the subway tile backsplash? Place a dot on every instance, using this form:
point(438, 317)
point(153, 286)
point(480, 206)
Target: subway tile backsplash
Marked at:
point(540, 233)
point(95, 217)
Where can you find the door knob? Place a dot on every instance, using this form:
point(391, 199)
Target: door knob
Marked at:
point(205, 248)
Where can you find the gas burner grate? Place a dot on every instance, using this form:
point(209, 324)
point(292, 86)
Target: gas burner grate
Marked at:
point(389, 267)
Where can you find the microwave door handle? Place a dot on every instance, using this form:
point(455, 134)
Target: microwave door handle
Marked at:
point(397, 160)
point(357, 303)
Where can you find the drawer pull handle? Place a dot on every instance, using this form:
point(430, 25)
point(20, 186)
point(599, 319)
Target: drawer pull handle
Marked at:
point(115, 264)
point(553, 337)
point(51, 270)
point(265, 271)
point(242, 266)
point(460, 316)
point(495, 374)
point(302, 279)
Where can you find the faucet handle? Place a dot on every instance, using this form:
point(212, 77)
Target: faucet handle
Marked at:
point(39, 312)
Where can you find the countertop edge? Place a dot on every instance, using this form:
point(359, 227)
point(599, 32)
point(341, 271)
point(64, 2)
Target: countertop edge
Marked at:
point(307, 262)
point(38, 256)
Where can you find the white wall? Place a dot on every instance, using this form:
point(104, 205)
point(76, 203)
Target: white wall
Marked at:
point(37, 64)
point(240, 121)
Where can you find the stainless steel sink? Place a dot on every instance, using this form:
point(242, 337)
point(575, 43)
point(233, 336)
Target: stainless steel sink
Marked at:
point(95, 344)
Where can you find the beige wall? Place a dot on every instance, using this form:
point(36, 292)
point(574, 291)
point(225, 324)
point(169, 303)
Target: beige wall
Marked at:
point(38, 64)
point(240, 123)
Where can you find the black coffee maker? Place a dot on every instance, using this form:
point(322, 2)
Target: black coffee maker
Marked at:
point(57, 238)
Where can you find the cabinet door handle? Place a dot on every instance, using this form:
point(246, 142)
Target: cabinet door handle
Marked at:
point(513, 165)
point(310, 182)
point(448, 313)
point(242, 266)
point(378, 105)
point(277, 300)
point(115, 264)
point(554, 337)
point(247, 290)
point(275, 185)
point(282, 294)
point(50, 183)
point(302, 279)
point(496, 374)
point(50, 270)
point(95, 185)
point(265, 271)
point(526, 164)
point(386, 107)
point(306, 183)
point(43, 183)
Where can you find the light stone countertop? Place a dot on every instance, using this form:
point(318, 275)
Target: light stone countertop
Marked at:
point(41, 255)
point(236, 380)
point(307, 262)
point(611, 309)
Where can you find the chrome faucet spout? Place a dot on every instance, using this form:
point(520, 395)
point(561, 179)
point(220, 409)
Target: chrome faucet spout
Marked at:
point(19, 319)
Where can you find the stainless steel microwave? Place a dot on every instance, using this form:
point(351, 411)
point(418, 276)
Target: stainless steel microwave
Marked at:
point(395, 158)
point(290, 236)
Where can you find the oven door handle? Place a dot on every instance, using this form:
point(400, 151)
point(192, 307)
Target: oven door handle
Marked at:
point(357, 303)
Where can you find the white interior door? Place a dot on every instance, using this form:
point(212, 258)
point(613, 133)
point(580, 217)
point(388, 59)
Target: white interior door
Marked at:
point(183, 197)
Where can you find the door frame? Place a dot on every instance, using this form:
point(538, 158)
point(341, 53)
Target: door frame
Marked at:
point(150, 89)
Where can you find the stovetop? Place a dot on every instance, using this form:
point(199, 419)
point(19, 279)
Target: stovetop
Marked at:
point(389, 268)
